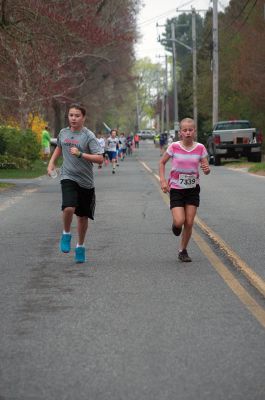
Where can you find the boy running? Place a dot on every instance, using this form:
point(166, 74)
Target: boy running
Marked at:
point(80, 149)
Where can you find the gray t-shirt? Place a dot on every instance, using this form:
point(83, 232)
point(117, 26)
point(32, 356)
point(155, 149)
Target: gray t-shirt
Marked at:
point(74, 168)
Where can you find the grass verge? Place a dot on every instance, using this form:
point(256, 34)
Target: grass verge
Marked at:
point(257, 168)
point(254, 168)
point(4, 186)
point(38, 169)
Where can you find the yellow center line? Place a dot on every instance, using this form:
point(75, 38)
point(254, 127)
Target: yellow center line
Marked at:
point(248, 272)
point(222, 270)
point(146, 166)
point(230, 280)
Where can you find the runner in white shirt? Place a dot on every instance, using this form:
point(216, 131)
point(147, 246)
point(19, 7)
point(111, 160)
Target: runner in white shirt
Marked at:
point(101, 142)
point(112, 145)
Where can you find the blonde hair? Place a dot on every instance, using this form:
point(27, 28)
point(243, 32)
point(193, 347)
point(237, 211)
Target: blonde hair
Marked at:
point(190, 120)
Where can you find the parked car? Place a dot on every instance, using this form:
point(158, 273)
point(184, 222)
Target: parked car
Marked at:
point(234, 139)
point(146, 134)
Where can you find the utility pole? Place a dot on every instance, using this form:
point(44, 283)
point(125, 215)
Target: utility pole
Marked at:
point(166, 94)
point(137, 112)
point(194, 68)
point(174, 67)
point(165, 104)
point(163, 113)
point(193, 49)
point(215, 63)
point(176, 110)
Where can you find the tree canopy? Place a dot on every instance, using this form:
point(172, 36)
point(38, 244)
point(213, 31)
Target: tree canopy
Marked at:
point(56, 52)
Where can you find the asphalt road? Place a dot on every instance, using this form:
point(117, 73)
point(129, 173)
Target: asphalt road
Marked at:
point(132, 323)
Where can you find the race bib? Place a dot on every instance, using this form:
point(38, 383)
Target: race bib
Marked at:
point(187, 181)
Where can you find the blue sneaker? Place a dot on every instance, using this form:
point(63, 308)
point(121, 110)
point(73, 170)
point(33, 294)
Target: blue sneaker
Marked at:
point(80, 255)
point(65, 242)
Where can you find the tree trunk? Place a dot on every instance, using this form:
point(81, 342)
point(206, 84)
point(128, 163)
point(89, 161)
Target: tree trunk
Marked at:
point(57, 116)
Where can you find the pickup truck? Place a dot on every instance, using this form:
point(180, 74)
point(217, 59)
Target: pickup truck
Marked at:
point(234, 139)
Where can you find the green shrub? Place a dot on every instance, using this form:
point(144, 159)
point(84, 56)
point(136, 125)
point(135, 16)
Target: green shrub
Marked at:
point(30, 146)
point(21, 144)
point(2, 143)
point(10, 162)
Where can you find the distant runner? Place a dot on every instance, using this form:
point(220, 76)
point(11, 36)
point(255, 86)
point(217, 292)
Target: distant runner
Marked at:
point(136, 140)
point(123, 146)
point(101, 142)
point(112, 144)
point(45, 143)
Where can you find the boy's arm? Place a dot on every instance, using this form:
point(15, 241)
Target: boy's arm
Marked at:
point(56, 154)
point(94, 155)
point(94, 158)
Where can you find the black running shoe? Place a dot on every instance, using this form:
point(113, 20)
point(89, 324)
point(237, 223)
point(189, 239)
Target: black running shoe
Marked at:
point(183, 256)
point(113, 171)
point(175, 230)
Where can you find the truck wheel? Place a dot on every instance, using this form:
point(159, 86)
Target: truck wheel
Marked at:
point(256, 157)
point(217, 160)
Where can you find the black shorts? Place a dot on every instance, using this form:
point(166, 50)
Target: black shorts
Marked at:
point(73, 195)
point(181, 197)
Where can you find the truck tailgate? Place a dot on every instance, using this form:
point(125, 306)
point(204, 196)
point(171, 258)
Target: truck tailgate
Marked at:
point(235, 135)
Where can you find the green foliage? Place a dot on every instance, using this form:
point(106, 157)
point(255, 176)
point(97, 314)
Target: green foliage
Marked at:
point(241, 67)
point(21, 144)
point(240, 74)
point(258, 167)
point(122, 116)
point(149, 82)
point(2, 143)
point(10, 162)
point(183, 33)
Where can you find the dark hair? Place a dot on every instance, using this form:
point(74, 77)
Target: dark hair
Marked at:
point(79, 107)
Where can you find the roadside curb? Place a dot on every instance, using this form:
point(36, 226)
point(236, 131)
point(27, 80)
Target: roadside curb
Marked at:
point(245, 171)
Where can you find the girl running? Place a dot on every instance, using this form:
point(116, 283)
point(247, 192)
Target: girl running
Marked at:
point(183, 184)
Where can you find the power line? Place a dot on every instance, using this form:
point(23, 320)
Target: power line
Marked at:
point(224, 28)
point(149, 21)
point(250, 11)
point(245, 19)
point(238, 15)
point(165, 14)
